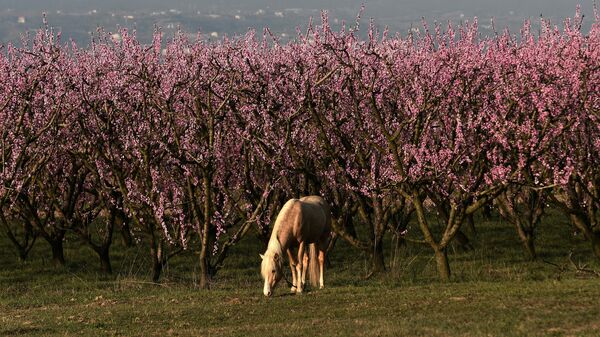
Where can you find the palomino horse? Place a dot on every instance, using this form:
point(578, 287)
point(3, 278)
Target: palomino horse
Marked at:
point(300, 222)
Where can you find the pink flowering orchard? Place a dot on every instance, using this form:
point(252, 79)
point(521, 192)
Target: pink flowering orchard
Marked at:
point(191, 145)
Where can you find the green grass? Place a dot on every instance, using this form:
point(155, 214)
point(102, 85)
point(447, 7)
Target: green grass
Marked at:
point(493, 292)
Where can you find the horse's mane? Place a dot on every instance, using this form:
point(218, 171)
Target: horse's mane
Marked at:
point(273, 248)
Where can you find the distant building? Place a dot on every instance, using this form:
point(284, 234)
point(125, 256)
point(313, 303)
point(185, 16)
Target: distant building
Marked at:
point(21, 19)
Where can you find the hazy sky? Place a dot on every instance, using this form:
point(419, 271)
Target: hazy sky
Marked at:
point(387, 8)
point(398, 15)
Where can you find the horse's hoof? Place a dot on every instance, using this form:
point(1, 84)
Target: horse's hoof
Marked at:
point(293, 289)
point(321, 287)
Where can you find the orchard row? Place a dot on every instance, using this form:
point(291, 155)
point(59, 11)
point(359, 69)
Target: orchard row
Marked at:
point(194, 144)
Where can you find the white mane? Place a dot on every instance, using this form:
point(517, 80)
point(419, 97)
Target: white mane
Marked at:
point(274, 247)
point(268, 262)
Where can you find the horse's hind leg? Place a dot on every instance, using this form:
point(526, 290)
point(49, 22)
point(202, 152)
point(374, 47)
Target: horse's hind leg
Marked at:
point(322, 247)
point(304, 268)
point(293, 264)
point(321, 268)
point(299, 268)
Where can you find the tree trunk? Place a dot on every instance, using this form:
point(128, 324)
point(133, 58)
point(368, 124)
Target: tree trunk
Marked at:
point(443, 267)
point(461, 241)
point(58, 256)
point(156, 270)
point(529, 246)
point(157, 258)
point(105, 265)
point(204, 270)
point(348, 225)
point(524, 215)
point(527, 239)
point(378, 262)
point(204, 235)
point(487, 211)
point(596, 244)
point(22, 254)
point(441, 257)
point(126, 234)
point(471, 224)
point(24, 248)
point(584, 225)
point(157, 264)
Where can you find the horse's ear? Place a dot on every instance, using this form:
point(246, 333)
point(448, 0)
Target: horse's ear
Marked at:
point(262, 257)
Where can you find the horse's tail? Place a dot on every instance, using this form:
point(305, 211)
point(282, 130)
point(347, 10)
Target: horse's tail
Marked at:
point(313, 265)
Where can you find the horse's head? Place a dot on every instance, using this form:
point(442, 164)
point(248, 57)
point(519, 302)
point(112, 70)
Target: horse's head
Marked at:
point(271, 270)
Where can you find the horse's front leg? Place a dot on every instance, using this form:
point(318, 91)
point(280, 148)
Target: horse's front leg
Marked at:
point(293, 264)
point(299, 268)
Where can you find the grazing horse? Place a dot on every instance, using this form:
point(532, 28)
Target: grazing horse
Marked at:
point(301, 222)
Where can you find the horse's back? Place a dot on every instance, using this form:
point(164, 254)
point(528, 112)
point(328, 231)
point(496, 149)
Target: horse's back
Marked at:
point(307, 219)
point(316, 215)
point(317, 200)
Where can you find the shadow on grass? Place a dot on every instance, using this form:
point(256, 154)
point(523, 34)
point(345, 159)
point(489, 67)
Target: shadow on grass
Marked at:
point(24, 331)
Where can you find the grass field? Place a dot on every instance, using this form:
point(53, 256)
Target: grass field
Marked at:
point(494, 292)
